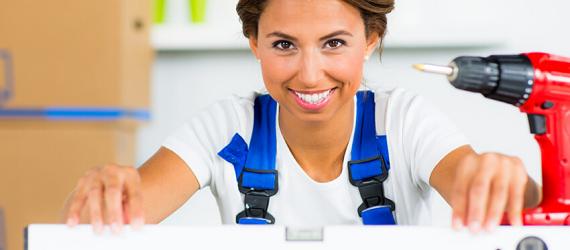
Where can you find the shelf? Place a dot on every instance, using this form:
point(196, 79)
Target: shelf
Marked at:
point(413, 25)
point(197, 37)
point(209, 37)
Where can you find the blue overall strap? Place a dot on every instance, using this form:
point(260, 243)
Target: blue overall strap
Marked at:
point(255, 167)
point(235, 153)
point(368, 167)
point(260, 173)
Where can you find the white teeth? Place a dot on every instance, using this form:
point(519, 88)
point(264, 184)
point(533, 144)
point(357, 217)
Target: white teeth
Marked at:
point(314, 98)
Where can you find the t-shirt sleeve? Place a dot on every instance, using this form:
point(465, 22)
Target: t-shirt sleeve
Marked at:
point(198, 141)
point(428, 136)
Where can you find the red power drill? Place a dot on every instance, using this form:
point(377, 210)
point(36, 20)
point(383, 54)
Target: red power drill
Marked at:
point(539, 84)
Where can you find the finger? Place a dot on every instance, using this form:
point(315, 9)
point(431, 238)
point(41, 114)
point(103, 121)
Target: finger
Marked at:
point(479, 191)
point(459, 191)
point(134, 201)
point(516, 199)
point(78, 200)
point(497, 201)
point(95, 204)
point(126, 216)
point(113, 186)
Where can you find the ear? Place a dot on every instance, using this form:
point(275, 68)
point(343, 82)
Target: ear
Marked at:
point(372, 43)
point(253, 46)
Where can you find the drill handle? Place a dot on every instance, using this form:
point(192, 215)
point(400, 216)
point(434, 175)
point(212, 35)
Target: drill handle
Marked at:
point(548, 110)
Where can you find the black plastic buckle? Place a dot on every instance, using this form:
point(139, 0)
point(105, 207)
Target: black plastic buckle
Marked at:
point(256, 201)
point(372, 189)
point(256, 204)
point(372, 194)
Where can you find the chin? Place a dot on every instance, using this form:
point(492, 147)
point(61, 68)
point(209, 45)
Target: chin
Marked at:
point(321, 117)
point(325, 114)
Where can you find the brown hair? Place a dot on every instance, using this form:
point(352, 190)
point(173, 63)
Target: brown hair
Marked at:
point(373, 14)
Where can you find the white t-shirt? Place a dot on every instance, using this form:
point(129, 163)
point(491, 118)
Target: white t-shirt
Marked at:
point(418, 136)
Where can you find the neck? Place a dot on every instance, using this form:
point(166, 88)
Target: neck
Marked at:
point(319, 147)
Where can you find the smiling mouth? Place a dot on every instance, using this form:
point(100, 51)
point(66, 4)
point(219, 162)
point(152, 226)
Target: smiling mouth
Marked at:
point(314, 97)
point(313, 100)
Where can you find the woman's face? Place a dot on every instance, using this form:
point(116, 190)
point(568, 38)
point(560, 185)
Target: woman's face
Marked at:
point(312, 54)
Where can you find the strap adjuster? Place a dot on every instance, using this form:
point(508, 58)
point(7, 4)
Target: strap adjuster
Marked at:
point(244, 190)
point(382, 177)
point(371, 189)
point(256, 201)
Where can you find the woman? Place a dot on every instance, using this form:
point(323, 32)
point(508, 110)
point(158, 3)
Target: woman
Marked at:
point(311, 55)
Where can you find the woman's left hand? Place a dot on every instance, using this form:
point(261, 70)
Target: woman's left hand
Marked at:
point(484, 187)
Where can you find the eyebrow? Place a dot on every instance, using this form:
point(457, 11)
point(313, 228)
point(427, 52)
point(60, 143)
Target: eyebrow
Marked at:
point(292, 38)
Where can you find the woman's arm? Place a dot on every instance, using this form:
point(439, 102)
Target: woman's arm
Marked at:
point(481, 187)
point(115, 194)
point(167, 183)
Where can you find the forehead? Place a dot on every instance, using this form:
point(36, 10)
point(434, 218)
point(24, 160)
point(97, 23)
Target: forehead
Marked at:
point(309, 17)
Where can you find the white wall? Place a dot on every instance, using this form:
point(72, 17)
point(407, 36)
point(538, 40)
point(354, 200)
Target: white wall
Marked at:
point(185, 82)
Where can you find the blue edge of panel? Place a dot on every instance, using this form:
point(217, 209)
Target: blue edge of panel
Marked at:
point(75, 113)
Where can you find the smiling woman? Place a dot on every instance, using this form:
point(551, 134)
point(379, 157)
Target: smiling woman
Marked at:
point(318, 44)
point(313, 150)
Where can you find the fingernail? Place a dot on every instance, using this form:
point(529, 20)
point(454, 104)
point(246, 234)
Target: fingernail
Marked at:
point(490, 226)
point(137, 224)
point(456, 223)
point(517, 222)
point(115, 228)
point(475, 226)
point(98, 228)
point(71, 221)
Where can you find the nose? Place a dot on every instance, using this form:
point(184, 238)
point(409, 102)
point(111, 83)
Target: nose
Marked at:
point(311, 70)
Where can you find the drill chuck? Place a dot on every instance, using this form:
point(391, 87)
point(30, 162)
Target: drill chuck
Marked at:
point(505, 78)
point(475, 74)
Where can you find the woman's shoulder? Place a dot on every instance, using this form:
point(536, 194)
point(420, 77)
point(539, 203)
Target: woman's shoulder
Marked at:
point(240, 105)
point(397, 107)
point(394, 93)
point(230, 115)
point(396, 98)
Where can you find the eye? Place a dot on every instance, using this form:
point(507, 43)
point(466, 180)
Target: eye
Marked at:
point(334, 43)
point(283, 45)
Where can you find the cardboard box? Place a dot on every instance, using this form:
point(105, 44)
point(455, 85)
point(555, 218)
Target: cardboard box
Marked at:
point(41, 161)
point(75, 53)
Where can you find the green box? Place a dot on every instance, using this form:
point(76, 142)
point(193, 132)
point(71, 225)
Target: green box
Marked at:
point(159, 9)
point(197, 11)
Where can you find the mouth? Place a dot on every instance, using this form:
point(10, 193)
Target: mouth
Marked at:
point(313, 100)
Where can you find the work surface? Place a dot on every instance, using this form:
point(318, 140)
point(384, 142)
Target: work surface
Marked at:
point(60, 237)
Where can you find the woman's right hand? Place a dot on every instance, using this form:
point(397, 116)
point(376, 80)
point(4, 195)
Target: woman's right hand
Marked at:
point(107, 195)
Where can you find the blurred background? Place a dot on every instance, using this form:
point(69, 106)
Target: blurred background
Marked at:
point(87, 83)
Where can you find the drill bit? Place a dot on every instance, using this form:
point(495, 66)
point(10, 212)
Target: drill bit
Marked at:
point(437, 69)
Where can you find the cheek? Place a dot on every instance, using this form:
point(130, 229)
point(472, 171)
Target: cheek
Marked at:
point(346, 68)
point(276, 71)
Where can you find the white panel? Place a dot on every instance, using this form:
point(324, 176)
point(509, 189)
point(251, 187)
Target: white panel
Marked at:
point(58, 237)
